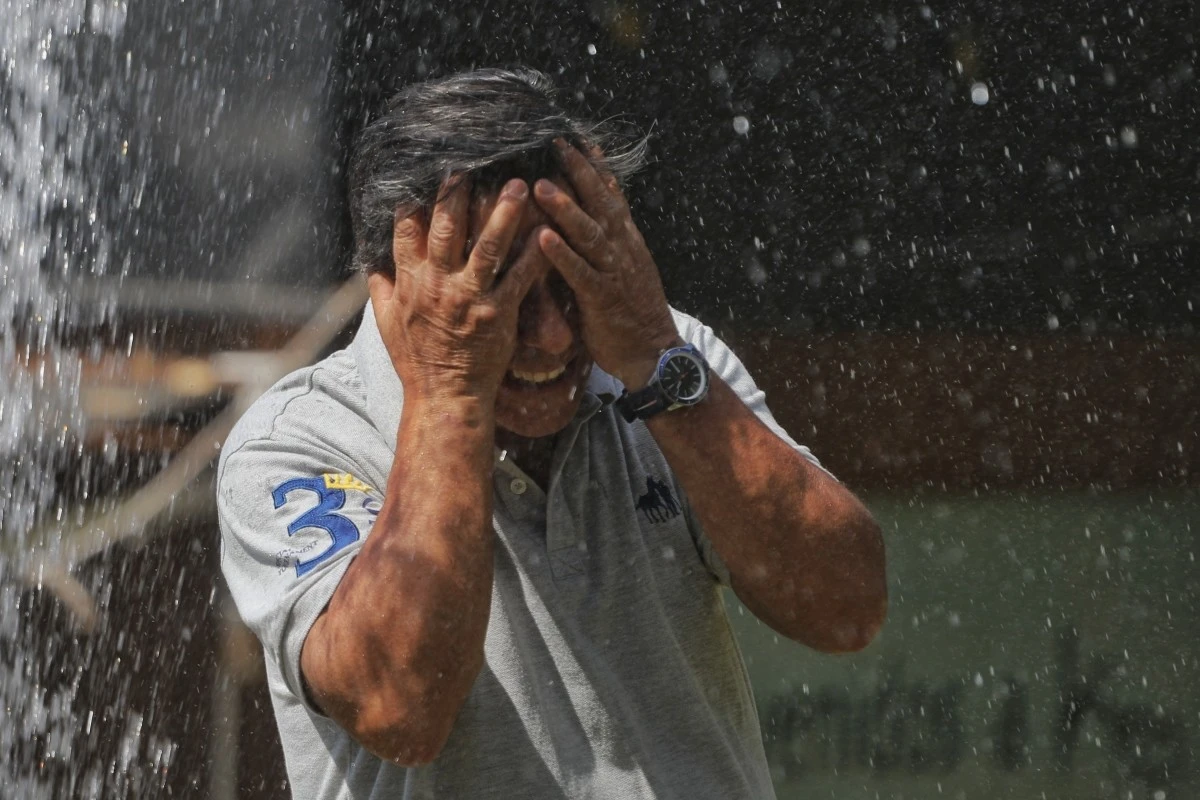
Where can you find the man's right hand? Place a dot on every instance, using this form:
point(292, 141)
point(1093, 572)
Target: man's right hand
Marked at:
point(448, 322)
point(394, 655)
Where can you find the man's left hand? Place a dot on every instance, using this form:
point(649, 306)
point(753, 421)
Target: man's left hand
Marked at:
point(626, 322)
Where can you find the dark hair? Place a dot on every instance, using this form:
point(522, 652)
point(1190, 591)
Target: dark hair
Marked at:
point(492, 124)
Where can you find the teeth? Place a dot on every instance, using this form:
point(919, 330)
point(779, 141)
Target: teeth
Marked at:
point(538, 377)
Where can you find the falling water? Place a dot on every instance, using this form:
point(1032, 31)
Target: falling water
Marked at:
point(135, 151)
point(47, 203)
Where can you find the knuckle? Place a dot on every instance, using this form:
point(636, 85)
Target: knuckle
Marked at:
point(441, 232)
point(487, 250)
point(484, 314)
point(560, 205)
point(595, 237)
point(406, 229)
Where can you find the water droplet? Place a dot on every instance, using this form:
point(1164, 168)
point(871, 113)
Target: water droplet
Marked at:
point(741, 125)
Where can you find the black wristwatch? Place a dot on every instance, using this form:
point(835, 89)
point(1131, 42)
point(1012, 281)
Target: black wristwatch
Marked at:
point(680, 380)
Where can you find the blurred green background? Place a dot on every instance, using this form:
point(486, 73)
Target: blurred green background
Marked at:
point(1011, 614)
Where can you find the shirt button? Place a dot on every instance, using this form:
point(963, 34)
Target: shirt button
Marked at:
point(518, 486)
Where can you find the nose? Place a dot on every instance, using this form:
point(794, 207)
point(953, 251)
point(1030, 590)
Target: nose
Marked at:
point(542, 323)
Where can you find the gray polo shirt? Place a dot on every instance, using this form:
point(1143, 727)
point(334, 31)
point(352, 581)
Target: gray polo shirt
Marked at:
point(610, 667)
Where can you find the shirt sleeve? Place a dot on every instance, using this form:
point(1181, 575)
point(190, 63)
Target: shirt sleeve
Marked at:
point(292, 518)
point(723, 362)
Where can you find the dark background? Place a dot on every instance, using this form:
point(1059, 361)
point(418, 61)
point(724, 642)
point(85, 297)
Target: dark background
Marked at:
point(868, 192)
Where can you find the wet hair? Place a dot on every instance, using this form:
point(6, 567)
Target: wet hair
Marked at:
point(491, 124)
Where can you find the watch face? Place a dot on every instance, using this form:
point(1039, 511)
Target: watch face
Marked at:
point(682, 378)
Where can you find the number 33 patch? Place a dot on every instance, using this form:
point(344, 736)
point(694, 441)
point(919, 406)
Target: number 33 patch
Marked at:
point(330, 489)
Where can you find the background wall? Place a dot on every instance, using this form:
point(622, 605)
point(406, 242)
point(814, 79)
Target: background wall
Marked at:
point(1036, 643)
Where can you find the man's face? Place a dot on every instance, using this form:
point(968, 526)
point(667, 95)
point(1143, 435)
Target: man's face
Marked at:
point(544, 384)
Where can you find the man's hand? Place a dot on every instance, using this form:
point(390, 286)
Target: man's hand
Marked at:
point(448, 323)
point(802, 552)
point(625, 317)
point(394, 655)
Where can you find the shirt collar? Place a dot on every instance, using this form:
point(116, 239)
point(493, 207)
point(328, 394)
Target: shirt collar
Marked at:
point(385, 393)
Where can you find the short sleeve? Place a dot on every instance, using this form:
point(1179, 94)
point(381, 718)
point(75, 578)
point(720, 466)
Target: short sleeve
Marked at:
point(292, 518)
point(724, 363)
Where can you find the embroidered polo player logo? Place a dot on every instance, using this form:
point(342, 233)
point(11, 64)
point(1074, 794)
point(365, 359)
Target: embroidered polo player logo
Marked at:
point(657, 504)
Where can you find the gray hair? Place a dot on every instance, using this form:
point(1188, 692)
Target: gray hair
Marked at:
point(491, 124)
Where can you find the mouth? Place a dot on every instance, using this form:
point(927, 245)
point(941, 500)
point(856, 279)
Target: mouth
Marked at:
point(530, 379)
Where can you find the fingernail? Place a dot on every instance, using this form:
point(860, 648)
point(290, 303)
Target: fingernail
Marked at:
point(545, 188)
point(516, 189)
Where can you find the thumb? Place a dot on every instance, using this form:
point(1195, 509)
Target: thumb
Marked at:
point(381, 287)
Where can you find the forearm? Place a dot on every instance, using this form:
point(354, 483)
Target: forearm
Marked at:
point(404, 633)
point(803, 554)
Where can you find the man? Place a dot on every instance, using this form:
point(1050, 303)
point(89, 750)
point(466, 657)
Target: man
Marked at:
point(483, 546)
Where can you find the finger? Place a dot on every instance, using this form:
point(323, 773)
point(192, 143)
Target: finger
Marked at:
point(530, 266)
point(593, 192)
point(608, 177)
point(448, 224)
point(614, 186)
point(576, 271)
point(585, 235)
point(495, 241)
point(599, 163)
point(408, 239)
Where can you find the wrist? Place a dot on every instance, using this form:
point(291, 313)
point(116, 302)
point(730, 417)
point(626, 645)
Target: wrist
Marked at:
point(454, 408)
point(452, 431)
point(436, 386)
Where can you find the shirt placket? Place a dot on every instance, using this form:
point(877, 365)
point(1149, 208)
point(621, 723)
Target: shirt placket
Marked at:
point(521, 494)
point(566, 547)
point(553, 511)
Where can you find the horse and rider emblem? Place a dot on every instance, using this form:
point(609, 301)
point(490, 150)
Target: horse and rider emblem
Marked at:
point(657, 504)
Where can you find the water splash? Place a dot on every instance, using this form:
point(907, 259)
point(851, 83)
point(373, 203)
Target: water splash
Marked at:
point(48, 200)
point(44, 187)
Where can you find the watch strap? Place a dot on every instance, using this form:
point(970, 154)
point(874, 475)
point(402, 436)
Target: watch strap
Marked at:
point(643, 403)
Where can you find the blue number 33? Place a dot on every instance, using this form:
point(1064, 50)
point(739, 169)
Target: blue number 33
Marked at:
point(324, 516)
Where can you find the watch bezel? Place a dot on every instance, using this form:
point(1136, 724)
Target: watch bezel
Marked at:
point(690, 353)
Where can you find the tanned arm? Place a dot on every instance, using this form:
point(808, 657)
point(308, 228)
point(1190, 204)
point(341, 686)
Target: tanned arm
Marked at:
point(803, 553)
point(395, 653)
